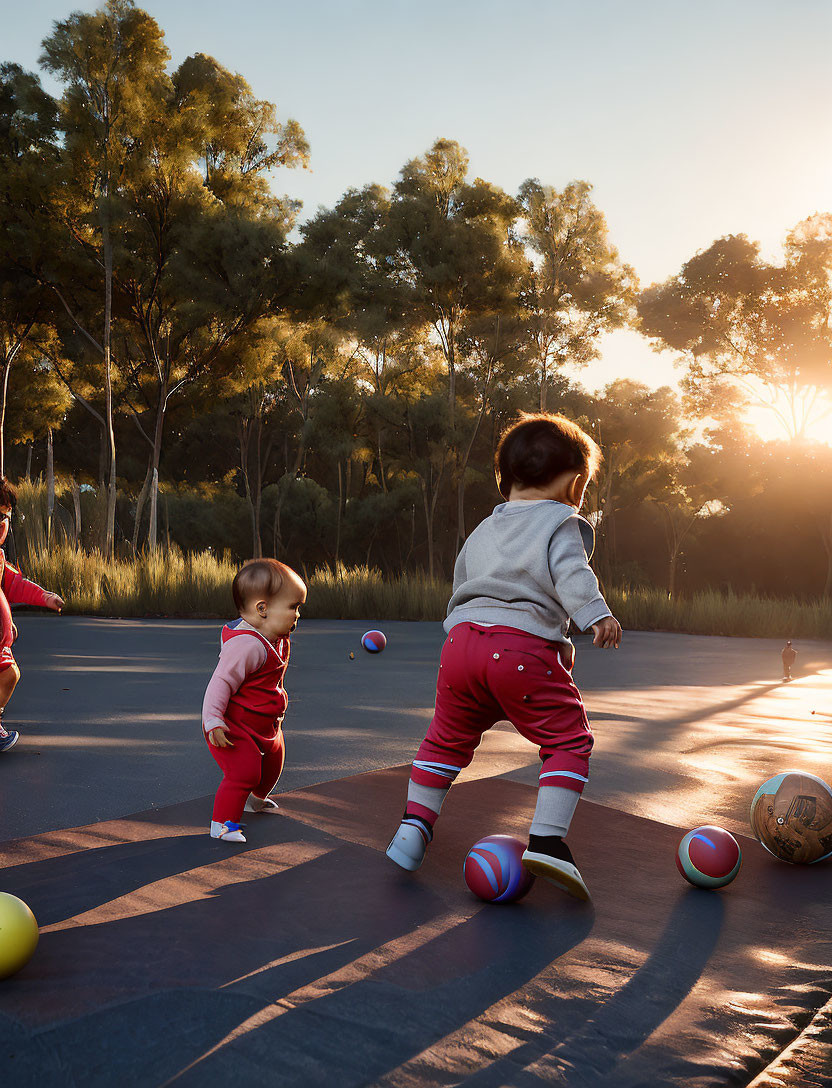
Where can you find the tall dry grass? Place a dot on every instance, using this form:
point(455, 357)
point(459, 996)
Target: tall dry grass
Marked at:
point(173, 584)
point(170, 583)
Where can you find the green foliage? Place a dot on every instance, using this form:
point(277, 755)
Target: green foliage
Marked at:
point(337, 401)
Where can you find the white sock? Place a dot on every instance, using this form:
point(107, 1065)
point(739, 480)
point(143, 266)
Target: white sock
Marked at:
point(428, 796)
point(554, 810)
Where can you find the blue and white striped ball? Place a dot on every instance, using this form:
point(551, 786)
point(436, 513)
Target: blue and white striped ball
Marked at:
point(374, 641)
point(494, 870)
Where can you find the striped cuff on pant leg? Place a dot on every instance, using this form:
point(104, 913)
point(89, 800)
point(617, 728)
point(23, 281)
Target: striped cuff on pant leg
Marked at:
point(440, 775)
point(565, 769)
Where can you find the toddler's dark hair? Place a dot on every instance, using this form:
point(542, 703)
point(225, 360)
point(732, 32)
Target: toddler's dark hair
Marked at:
point(539, 447)
point(8, 493)
point(259, 579)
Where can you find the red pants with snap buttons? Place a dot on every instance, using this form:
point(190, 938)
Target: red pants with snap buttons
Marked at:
point(253, 765)
point(488, 674)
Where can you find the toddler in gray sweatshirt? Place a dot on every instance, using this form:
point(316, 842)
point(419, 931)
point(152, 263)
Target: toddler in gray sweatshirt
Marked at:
point(520, 578)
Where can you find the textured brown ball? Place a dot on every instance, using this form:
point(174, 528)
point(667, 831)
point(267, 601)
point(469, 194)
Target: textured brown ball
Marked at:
point(791, 815)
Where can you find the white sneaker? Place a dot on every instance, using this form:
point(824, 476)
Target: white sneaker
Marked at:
point(408, 846)
point(228, 832)
point(261, 804)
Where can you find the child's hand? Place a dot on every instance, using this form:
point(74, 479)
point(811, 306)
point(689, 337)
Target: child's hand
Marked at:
point(219, 737)
point(607, 633)
point(567, 656)
point(55, 602)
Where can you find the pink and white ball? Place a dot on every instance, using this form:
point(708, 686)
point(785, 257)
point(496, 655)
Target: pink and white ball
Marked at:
point(709, 857)
point(494, 871)
point(374, 641)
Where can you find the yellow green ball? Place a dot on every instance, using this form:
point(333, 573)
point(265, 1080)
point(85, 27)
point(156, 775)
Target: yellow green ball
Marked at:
point(18, 934)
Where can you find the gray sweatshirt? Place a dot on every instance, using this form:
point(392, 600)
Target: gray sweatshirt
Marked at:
point(527, 566)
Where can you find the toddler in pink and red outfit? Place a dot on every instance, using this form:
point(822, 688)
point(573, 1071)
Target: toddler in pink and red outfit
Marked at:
point(244, 704)
point(519, 579)
point(14, 589)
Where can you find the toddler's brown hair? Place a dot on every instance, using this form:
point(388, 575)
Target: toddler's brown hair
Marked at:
point(539, 447)
point(259, 579)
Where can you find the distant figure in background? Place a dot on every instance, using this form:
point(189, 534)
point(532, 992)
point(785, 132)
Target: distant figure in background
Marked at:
point(788, 653)
point(14, 589)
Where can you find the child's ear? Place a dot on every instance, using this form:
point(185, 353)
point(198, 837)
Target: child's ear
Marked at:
point(577, 488)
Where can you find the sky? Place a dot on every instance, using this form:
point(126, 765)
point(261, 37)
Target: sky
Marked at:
point(691, 120)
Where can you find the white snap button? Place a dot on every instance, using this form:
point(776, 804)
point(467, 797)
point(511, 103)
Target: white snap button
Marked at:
point(519, 668)
point(548, 672)
point(496, 657)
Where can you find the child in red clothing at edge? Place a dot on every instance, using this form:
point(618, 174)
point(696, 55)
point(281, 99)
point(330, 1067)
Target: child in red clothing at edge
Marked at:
point(244, 704)
point(520, 578)
point(15, 590)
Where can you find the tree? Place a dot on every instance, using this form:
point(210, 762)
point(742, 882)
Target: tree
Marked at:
point(576, 286)
point(455, 251)
point(639, 431)
point(752, 331)
point(686, 492)
point(112, 65)
point(27, 157)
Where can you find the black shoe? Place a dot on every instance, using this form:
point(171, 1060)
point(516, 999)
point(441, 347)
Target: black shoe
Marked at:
point(549, 856)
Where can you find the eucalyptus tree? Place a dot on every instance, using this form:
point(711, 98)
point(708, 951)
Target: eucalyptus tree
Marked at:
point(494, 355)
point(112, 67)
point(349, 277)
point(194, 255)
point(450, 240)
point(28, 157)
point(686, 491)
point(640, 430)
point(453, 244)
point(752, 331)
point(576, 287)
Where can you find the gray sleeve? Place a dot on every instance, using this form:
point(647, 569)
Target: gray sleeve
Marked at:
point(576, 586)
point(460, 573)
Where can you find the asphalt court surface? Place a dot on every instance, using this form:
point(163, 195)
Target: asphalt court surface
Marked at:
point(305, 957)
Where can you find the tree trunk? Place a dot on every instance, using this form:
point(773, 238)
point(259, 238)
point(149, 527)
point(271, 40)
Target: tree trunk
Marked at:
point(110, 530)
point(157, 456)
point(76, 505)
point(381, 474)
point(826, 537)
point(258, 480)
point(50, 486)
point(338, 518)
point(244, 438)
point(154, 502)
point(460, 497)
point(140, 501)
point(429, 527)
point(276, 529)
point(671, 574)
point(451, 375)
point(102, 459)
point(29, 461)
point(7, 366)
point(430, 519)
